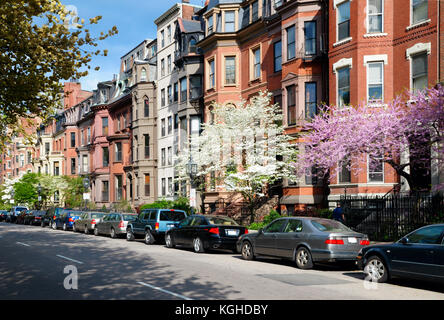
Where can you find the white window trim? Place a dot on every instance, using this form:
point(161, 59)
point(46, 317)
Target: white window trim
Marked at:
point(338, 2)
point(375, 58)
point(368, 172)
point(413, 50)
point(418, 24)
point(372, 59)
point(348, 39)
point(367, 20)
point(344, 62)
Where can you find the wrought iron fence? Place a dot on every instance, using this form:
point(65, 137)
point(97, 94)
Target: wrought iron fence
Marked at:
point(391, 217)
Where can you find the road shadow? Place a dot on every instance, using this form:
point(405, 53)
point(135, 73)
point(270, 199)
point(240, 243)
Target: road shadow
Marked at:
point(108, 271)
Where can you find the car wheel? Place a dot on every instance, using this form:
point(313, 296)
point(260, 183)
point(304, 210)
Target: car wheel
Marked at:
point(54, 226)
point(376, 269)
point(86, 230)
point(198, 245)
point(129, 235)
point(96, 231)
point(303, 258)
point(169, 241)
point(247, 251)
point(113, 233)
point(149, 239)
point(64, 227)
point(74, 228)
point(42, 224)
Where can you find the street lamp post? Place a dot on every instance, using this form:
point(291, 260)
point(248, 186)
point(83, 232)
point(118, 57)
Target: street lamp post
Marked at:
point(39, 191)
point(85, 192)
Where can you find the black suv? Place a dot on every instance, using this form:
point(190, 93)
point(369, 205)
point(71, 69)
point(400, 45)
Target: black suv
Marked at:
point(151, 224)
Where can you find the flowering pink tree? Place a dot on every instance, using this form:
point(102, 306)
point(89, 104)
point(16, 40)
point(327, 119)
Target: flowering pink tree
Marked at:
point(406, 135)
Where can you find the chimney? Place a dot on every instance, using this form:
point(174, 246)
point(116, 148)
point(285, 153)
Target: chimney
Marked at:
point(185, 1)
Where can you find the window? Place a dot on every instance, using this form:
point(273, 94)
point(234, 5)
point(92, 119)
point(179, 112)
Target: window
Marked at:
point(419, 71)
point(254, 11)
point(277, 53)
point(162, 39)
point(143, 75)
point(169, 63)
point(210, 25)
point(183, 89)
point(162, 157)
point(162, 97)
point(119, 188)
point(118, 152)
point(169, 34)
point(276, 226)
point(291, 105)
point(195, 87)
point(162, 67)
point(343, 79)
point(344, 171)
point(47, 147)
point(170, 156)
point(291, 43)
point(170, 186)
point(419, 11)
point(163, 187)
point(293, 226)
point(256, 63)
point(176, 92)
point(105, 191)
point(147, 185)
point(146, 138)
point(162, 127)
point(310, 37)
point(375, 82)
point(375, 169)
point(375, 16)
point(230, 70)
point(105, 157)
point(310, 99)
point(170, 124)
point(311, 176)
point(343, 18)
point(170, 94)
point(211, 77)
point(85, 163)
point(192, 45)
point(88, 139)
point(73, 139)
point(229, 21)
point(104, 126)
point(146, 108)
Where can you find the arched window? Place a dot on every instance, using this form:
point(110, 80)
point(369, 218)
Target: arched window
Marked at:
point(146, 107)
point(143, 75)
point(192, 45)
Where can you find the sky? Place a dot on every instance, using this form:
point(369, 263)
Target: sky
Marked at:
point(134, 20)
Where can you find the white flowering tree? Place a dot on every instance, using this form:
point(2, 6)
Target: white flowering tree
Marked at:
point(244, 149)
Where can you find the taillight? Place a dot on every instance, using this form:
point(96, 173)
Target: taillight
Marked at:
point(121, 224)
point(93, 221)
point(334, 241)
point(246, 231)
point(70, 219)
point(214, 230)
point(364, 242)
point(54, 217)
point(156, 226)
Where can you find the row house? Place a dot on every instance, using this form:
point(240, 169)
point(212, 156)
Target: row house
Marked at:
point(377, 50)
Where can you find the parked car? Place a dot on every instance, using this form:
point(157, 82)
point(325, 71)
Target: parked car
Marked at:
point(419, 255)
point(114, 224)
point(34, 217)
point(151, 224)
point(203, 232)
point(66, 219)
point(50, 216)
point(3, 215)
point(14, 212)
point(305, 240)
point(87, 221)
point(21, 217)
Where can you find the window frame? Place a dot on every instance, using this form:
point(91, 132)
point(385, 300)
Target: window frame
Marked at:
point(375, 14)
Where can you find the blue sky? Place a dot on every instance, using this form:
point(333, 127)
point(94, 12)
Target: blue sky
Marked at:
point(135, 21)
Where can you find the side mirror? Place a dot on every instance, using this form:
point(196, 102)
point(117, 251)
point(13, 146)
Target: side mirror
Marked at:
point(404, 240)
point(260, 231)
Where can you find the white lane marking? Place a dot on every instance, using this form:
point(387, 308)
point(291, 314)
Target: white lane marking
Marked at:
point(73, 260)
point(163, 290)
point(23, 244)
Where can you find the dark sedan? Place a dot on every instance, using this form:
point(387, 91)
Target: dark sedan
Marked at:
point(203, 232)
point(420, 255)
point(305, 240)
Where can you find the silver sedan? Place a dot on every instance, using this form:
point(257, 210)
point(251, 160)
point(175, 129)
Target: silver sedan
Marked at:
point(305, 240)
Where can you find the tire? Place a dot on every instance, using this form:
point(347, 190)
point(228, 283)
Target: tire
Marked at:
point(247, 251)
point(96, 232)
point(169, 241)
point(86, 231)
point(129, 235)
point(113, 233)
point(303, 258)
point(54, 226)
point(198, 245)
point(74, 228)
point(64, 227)
point(376, 270)
point(149, 239)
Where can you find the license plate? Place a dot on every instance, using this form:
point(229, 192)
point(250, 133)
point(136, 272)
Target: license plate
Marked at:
point(352, 240)
point(232, 232)
point(169, 226)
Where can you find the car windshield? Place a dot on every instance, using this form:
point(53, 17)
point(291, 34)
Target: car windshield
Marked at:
point(329, 225)
point(97, 215)
point(172, 216)
point(20, 209)
point(129, 217)
point(222, 221)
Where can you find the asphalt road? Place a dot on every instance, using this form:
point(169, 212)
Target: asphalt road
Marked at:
point(40, 263)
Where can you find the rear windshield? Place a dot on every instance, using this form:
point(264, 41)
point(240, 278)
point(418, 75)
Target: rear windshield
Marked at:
point(222, 221)
point(172, 216)
point(129, 217)
point(329, 226)
point(20, 209)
